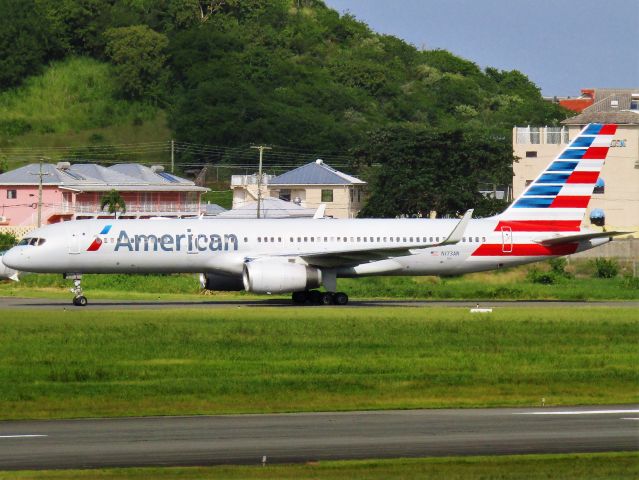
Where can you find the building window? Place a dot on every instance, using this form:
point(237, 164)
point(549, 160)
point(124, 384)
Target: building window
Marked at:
point(528, 182)
point(12, 194)
point(327, 195)
point(285, 195)
point(531, 154)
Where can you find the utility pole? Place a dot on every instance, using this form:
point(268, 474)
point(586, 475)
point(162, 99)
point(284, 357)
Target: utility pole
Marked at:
point(172, 156)
point(40, 174)
point(261, 148)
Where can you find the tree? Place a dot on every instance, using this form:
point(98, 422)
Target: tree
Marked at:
point(114, 201)
point(423, 170)
point(138, 54)
point(25, 41)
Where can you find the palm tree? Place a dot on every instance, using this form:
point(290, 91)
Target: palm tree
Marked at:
point(114, 201)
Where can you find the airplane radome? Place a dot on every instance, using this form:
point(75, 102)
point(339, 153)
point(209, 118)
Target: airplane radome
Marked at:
point(300, 255)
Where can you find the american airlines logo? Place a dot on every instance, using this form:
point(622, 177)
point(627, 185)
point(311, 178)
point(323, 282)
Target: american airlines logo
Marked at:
point(186, 242)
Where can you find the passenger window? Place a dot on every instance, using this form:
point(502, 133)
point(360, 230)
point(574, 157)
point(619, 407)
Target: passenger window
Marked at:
point(245, 240)
point(483, 239)
point(306, 239)
point(312, 239)
point(431, 239)
point(437, 239)
point(345, 239)
point(477, 239)
point(410, 239)
point(299, 239)
point(359, 239)
point(291, 239)
point(384, 238)
point(272, 239)
point(326, 239)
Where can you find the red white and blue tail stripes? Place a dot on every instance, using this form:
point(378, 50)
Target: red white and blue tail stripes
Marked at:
point(557, 199)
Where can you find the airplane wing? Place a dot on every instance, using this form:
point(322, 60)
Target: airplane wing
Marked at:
point(559, 240)
point(355, 256)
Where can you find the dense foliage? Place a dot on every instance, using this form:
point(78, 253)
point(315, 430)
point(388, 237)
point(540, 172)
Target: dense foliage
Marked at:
point(291, 73)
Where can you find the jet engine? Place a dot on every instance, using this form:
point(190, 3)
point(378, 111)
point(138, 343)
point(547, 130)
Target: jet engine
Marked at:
point(279, 277)
point(221, 282)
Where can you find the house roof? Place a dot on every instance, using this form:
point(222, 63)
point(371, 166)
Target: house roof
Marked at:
point(612, 105)
point(269, 208)
point(626, 117)
point(96, 178)
point(315, 173)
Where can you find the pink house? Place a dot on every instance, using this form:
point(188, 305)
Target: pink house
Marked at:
point(71, 192)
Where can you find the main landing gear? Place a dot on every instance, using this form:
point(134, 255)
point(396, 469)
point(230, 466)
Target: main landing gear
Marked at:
point(315, 297)
point(79, 300)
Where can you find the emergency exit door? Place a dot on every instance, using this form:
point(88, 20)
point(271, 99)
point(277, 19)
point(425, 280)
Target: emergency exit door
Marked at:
point(506, 239)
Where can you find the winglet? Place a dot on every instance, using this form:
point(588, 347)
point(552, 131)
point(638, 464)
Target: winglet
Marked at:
point(320, 211)
point(458, 232)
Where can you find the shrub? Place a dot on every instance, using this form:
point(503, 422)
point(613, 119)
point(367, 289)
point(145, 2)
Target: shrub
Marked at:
point(605, 267)
point(558, 267)
point(535, 275)
point(7, 240)
point(14, 127)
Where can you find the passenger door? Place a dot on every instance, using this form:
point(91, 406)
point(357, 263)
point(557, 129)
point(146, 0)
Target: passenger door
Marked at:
point(506, 240)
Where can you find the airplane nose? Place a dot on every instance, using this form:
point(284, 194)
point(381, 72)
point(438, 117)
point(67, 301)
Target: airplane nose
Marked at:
point(14, 258)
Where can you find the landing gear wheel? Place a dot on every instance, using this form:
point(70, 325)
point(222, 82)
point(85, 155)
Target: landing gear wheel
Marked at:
point(340, 298)
point(327, 298)
point(80, 301)
point(299, 298)
point(315, 296)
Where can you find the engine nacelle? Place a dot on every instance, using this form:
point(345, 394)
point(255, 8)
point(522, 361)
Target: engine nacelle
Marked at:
point(279, 277)
point(221, 282)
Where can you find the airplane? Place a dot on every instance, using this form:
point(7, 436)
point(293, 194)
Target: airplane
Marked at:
point(300, 255)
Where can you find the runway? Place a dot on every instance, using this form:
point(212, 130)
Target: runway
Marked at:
point(247, 439)
point(62, 304)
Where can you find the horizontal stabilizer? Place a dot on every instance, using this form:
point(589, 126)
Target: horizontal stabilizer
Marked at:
point(580, 237)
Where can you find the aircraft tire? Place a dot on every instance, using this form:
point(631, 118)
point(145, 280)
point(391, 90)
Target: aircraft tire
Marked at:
point(80, 301)
point(327, 298)
point(315, 296)
point(299, 298)
point(340, 298)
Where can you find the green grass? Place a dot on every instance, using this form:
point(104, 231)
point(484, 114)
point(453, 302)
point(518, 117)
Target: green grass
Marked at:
point(593, 466)
point(80, 363)
point(511, 284)
point(223, 198)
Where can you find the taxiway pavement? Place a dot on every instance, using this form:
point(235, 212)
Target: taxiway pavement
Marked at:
point(248, 439)
point(96, 304)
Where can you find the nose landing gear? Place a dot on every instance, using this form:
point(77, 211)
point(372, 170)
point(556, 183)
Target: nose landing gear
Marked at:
point(79, 300)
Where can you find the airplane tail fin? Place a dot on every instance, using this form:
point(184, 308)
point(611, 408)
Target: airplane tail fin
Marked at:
point(557, 199)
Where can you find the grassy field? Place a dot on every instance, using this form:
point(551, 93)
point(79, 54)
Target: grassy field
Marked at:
point(591, 466)
point(80, 363)
point(511, 284)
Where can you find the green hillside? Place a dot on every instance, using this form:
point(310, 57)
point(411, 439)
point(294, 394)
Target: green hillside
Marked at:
point(220, 75)
point(73, 102)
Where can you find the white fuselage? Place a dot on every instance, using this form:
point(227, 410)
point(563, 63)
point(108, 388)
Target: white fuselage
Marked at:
point(224, 246)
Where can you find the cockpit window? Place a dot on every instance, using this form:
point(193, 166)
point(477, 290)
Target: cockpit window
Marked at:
point(32, 241)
